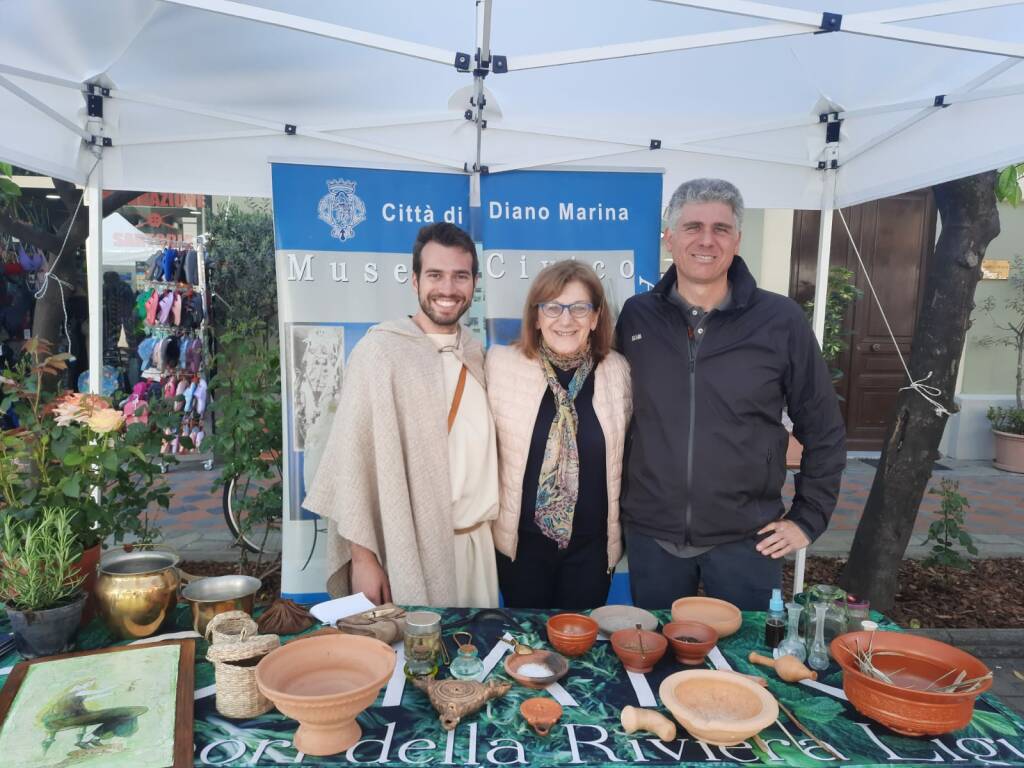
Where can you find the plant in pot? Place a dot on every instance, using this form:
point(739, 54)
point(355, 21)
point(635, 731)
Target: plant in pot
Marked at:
point(79, 452)
point(1008, 423)
point(40, 586)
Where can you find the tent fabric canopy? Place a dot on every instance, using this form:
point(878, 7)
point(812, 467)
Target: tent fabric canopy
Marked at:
point(202, 93)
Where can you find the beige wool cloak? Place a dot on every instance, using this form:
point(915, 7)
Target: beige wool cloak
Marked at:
point(384, 480)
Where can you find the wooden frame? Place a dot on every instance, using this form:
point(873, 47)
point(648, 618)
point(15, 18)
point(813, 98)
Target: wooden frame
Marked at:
point(183, 698)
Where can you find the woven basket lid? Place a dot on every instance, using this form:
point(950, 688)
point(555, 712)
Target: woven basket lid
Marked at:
point(253, 647)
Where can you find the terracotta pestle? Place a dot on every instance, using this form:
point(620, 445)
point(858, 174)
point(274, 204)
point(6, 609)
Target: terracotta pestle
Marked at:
point(788, 668)
point(639, 719)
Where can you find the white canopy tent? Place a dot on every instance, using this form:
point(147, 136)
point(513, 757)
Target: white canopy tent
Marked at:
point(803, 104)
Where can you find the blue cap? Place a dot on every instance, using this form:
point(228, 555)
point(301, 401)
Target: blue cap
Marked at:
point(776, 602)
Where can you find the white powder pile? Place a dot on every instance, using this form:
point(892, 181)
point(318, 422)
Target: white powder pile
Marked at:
point(534, 670)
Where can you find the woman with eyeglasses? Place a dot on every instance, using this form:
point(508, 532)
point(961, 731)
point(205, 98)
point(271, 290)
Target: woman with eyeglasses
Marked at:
point(561, 402)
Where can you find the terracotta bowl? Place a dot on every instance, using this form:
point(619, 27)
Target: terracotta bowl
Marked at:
point(700, 639)
point(725, 618)
point(553, 661)
point(639, 649)
point(324, 683)
point(572, 633)
point(721, 708)
point(905, 707)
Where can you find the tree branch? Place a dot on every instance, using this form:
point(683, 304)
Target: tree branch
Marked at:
point(28, 234)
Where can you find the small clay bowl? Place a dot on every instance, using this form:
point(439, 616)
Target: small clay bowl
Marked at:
point(541, 713)
point(724, 617)
point(690, 640)
point(572, 633)
point(639, 649)
point(556, 662)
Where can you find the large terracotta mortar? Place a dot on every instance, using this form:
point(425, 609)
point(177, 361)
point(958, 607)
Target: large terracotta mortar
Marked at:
point(324, 683)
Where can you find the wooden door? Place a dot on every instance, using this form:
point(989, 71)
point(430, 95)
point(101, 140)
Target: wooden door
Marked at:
point(896, 237)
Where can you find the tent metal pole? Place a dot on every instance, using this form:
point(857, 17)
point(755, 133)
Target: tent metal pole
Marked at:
point(51, 113)
point(28, 74)
point(94, 277)
point(321, 29)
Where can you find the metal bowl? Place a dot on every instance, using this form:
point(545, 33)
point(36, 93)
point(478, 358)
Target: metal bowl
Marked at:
point(136, 591)
point(218, 594)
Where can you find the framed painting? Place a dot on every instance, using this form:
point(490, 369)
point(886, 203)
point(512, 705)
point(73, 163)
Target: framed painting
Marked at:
point(125, 707)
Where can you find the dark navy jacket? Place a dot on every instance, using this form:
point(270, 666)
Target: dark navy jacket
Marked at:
point(706, 453)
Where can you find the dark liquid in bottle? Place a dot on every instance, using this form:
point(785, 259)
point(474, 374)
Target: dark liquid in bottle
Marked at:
point(774, 632)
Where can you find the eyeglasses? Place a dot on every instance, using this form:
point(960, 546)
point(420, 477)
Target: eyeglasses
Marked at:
point(554, 310)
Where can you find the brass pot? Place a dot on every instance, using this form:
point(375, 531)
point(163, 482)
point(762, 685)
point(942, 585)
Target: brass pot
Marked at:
point(218, 594)
point(135, 591)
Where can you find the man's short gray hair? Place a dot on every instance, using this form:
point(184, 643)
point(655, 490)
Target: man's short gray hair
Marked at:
point(705, 191)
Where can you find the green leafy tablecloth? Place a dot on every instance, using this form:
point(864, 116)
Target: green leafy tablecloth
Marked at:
point(590, 734)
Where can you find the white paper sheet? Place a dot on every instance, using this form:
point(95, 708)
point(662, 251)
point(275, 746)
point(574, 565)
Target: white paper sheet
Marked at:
point(341, 608)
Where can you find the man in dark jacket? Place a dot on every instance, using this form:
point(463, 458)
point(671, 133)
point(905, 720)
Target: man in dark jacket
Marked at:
point(715, 359)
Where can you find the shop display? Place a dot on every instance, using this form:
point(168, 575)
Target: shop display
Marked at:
point(536, 670)
point(635, 719)
point(612, 618)
point(455, 699)
point(725, 618)
point(136, 591)
point(788, 668)
point(718, 707)
point(638, 649)
point(218, 594)
point(690, 640)
point(541, 713)
point(572, 634)
point(324, 683)
point(134, 701)
point(914, 685)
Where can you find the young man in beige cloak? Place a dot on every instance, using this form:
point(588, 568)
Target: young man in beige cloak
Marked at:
point(411, 518)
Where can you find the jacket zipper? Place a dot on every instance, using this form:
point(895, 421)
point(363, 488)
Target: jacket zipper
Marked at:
point(689, 451)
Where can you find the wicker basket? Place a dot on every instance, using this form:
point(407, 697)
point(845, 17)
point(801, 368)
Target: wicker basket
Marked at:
point(234, 666)
point(230, 627)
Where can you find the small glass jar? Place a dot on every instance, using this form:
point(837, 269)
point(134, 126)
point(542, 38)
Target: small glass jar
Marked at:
point(467, 665)
point(857, 610)
point(422, 643)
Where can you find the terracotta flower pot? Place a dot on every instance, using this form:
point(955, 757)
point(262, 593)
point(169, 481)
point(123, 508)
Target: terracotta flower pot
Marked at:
point(572, 633)
point(1009, 451)
point(324, 683)
point(912, 663)
point(639, 649)
point(690, 640)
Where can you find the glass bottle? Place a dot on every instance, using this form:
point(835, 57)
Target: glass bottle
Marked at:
point(857, 610)
point(775, 621)
point(834, 600)
point(467, 665)
point(422, 643)
point(793, 645)
point(817, 657)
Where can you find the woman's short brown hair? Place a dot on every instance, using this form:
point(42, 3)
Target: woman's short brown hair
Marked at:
point(546, 286)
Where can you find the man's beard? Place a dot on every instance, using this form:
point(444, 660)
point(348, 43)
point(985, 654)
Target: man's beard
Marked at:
point(438, 319)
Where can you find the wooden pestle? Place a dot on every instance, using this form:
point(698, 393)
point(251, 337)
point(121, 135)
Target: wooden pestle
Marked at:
point(788, 668)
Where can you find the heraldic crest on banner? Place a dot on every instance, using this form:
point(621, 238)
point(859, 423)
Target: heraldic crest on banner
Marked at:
point(342, 208)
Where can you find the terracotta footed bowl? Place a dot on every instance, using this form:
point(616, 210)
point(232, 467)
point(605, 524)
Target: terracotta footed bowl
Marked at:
point(918, 661)
point(555, 662)
point(721, 708)
point(639, 649)
point(691, 641)
point(723, 617)
point(572, 634)
point(324, 683)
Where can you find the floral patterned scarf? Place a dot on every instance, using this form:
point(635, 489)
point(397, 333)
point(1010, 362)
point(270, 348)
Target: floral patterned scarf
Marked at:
point(558, 485)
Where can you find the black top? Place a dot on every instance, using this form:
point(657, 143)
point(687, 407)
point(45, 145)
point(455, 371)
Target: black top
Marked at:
point(591, 517)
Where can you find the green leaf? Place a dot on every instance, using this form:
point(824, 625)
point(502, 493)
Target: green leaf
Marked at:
point(71, 487)
point(73, 458)
point(110, 461)
point(6, 169)
point(8, 188)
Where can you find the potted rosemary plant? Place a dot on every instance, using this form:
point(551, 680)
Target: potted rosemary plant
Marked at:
point(39, 584)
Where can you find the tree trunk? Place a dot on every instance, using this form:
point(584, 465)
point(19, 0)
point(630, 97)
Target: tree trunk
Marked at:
point(967, 208)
